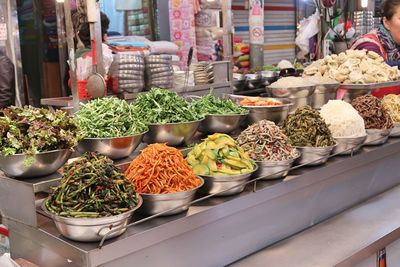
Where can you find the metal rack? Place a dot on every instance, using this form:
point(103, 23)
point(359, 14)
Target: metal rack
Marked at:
point(264, 213)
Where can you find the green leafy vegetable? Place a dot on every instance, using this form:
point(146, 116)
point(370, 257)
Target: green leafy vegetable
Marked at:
point(92, 187)
point(108, 118)
point(211, 105)
point(32, 130)
point(163, 106)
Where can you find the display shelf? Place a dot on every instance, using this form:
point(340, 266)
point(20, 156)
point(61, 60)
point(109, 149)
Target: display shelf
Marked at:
point(225, 229)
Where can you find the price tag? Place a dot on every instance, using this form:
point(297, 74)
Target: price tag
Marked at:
point(3, 32)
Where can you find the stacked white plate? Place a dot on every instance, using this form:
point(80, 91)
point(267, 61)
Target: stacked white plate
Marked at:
point(127, 73)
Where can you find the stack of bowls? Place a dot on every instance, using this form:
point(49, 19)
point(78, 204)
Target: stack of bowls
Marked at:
point(159, 71)
point(127, 73)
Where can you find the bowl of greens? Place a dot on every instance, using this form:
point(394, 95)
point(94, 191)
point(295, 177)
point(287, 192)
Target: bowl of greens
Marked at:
point(111, 127)
point(170, 117)
point(35, 141)
point(221, 115)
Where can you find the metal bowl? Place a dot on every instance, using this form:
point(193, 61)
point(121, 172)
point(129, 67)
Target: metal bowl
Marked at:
point(377, 136)
point(44, 163)
point(396, 130)
point(221, 123)
point(173, 134)
point(274, 169)
point(348, 145)
point(157, 203)
point(91, 229)
point(313, 156)
point(292, 92)
point(233, 184)
point(114, 148)
point(323, 93)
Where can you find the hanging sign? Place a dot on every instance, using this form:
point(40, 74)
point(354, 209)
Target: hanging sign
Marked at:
point(256, 22)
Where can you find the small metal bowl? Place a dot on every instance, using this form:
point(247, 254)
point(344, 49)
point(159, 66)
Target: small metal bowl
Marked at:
point(221, 123)
point(157, 203)
point(348, 145)
point(377, 136)
point(114, 148)
point(271, 170)
point(44, 163)
point(233, 184)
point(396, 130)
point(91, 229)
point(173, 134)
point(313, 156)
point(323, 93)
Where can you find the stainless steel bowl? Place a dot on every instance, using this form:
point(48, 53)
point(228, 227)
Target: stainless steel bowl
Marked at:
point(348, 145)
point(114, 148)
point(396, 130)
point(269, 74)
point(91, 229)
point(313, 156)
point(44, 163)
point(377, 136)
point(157, 203)
point(173, 134)
point(238, 77)
point(233, 184)
point(274, 169)
point(323, 93)
point(292, 92)
point(221, 123)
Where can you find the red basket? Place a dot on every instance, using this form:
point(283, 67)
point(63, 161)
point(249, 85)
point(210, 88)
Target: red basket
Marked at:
point(82, 92)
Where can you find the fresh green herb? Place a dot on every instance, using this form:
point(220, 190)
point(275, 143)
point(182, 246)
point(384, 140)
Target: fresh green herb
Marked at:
point(109, 117)
point(211, 105)
point(163, 106)
point(271, 68)
point(306, 128)
point(32, 130)
point(92, 187)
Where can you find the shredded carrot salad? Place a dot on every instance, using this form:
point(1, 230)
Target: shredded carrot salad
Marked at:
point(160, 169)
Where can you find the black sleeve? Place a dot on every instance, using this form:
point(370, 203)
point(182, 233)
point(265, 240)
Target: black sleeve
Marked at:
point(7, 82)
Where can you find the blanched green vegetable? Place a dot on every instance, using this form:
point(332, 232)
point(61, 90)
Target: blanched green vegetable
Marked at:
point(109, 117)
point(211, 105)
point(32, 130)
point(163, 106)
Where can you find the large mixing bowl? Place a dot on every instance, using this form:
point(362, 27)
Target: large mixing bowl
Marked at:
point(313, 156)
point(277, 114)
point(396, 130)
point(225, 185)
point(173, 134)
point(377, 136)
point(300, 96)
point(323, 93)
point(43, 163)
point(348, 145)
point(221, 123)
point(270, 170)
point(157, 203)
point(91, 229)
point(114, 148)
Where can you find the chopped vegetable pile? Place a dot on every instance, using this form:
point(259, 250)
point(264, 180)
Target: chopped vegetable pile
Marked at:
point(264, 141)
point(92, 187)
point(219, 155)
point(160, 169)
point(108, 118)
point(32, 130)
point(212, 105)
point(258, 101)
point(160, 106)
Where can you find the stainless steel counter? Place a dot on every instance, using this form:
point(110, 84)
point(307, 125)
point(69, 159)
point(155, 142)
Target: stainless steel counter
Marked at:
point(219, 231)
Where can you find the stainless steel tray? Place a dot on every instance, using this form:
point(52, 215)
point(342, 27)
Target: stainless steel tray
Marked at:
point(370, 86)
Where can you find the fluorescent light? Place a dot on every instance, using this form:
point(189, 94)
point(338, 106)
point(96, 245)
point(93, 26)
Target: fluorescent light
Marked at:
point(60, 1)
point(364, 3)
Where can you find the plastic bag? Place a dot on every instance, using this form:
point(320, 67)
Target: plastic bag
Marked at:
point(308, 28)
point(6, 261)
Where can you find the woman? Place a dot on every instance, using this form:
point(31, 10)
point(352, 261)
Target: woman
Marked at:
point(385, 41)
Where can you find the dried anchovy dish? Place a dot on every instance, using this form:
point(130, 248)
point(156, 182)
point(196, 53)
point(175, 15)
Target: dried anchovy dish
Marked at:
point(264, 141)
point(372, 111)
point(92, 187)
point(391, 103)
point(306, 128)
